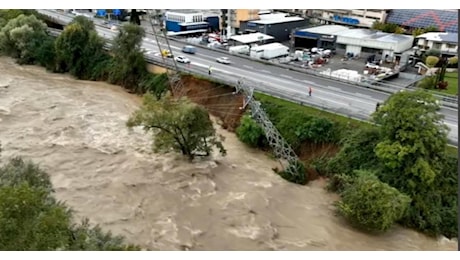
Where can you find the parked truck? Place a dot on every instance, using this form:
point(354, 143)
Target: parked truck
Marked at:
point(241, 49)
point(269, 51)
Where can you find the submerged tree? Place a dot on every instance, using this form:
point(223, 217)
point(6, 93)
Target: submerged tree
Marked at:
point(32, 219)
point(178, 125)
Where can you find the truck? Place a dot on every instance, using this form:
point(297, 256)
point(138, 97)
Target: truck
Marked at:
point(241, 49)
point(269, 51)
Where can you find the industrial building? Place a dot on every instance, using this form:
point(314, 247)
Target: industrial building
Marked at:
point(443, 20)
point(357, 41)
point(276, 25)
point(191, 21)
point(320, 36)
point(445, 42)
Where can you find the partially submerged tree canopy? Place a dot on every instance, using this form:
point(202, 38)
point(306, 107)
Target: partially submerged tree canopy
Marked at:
point(178, 125)
point(32, 219)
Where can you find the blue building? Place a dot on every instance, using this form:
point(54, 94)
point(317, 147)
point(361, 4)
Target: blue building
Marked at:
point(188, 21)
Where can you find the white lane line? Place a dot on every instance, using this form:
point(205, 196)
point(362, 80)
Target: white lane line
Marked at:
point(265, 71)
point(362, 95)
point(285, 76)
point(308, 82)
point(247, 66)
point(333, 88)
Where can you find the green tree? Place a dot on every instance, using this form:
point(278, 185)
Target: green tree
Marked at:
point(17, 36)
point(156, 84)
point(250, 133)
point(418, 31)
point(431, 28)
point(412, 151)
point(85, 237)
point(32, 219)
point(356, 153)
point(429, 82)
point(371, 204)
point(431, 61)
point(29, 220)
point(178, 125)
point(413, 138)
point(128, 66)
point(79, 50)
point(17, 172)
point(378, 26)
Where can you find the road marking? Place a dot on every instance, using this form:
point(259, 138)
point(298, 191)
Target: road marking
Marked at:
point(362, 95)
point(247, 66)
point(334, 88)
point(308, 82)
point(285, 76)
point(265, 71)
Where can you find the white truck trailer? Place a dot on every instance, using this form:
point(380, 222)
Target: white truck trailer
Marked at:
point(269, 51)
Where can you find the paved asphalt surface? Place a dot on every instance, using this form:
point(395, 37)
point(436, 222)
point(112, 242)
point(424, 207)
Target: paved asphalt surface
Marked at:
point(328, 94)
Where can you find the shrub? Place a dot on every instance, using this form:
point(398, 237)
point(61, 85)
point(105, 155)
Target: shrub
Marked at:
point(357, 152)
point(371, 204)
point(250, 133)
point(299, 176)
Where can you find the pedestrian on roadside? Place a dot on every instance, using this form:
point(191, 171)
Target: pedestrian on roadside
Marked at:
point(309, 91)
point(209, 70)
point(377, 106)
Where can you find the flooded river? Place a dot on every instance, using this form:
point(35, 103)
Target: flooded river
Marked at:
point(76, 131)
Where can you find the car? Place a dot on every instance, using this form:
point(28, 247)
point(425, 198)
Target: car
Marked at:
point(166, 53)
point(223, 60)
point(189, 49)
point(182, 59)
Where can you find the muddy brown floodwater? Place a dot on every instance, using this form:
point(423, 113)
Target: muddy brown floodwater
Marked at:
point(76, 131)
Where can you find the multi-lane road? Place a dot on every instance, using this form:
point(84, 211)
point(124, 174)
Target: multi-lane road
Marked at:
point(340, 97)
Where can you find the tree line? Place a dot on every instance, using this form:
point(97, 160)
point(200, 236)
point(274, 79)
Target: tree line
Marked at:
point(396, 172)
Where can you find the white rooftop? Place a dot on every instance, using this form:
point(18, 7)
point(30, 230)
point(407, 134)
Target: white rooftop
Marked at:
point(440, 37)
point(368, 34)
point(275, 20)
point(326, 29)
point(269, 46)
point(252, 37)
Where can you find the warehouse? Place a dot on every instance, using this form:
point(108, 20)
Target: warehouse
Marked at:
point(361, 41)
point(320, 36)
point(278, 27)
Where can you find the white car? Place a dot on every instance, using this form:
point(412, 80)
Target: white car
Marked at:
point(223, 60)
point(182, 59)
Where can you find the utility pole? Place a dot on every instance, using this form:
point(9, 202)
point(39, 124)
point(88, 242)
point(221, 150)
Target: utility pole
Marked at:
point(281, 148)
point(175, 83)
point(229, 24)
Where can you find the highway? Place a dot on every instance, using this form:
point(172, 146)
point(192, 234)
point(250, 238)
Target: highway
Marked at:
point(335, 96)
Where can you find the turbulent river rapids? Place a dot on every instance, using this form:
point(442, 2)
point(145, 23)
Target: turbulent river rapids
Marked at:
point(76, 131)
